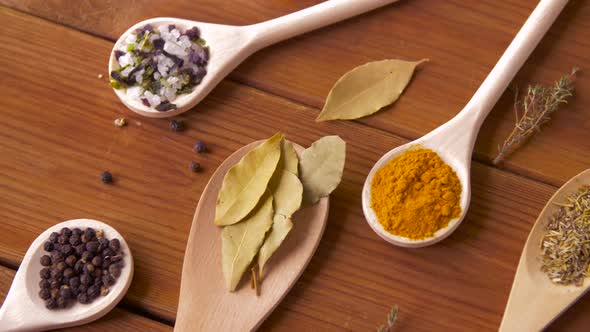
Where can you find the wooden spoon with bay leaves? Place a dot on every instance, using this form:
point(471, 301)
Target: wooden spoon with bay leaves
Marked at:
point(205, 303)
point(535, 301)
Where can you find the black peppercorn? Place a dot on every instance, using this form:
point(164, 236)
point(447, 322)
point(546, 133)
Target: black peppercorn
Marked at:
point(88, 268)
point(61, 266)
point(83, 298)
point(85, 238)
point(79, 266)
point(97, 273)
point(75, 282)
point(200, 147)
point(115, 245)
point(61, 302)
point(55, 292)
point(66, 231)
point(195, 167)
point(75, 239)
point(107, 253)
point(106, 262)
point(66, 249)
point(69, 272)
point(48, 246)
point(86, 256)
point(108, 280)
point(97, 261)
point(45, 294)
point(44, 283)
point(45, 273)
point(92, 246)
point(76, 231)
point(103, 244)
point(79, 249)
point(56, 257)
point(50, 304)
point(82, 288)
point(106, 177)
point(65, 292)
point(176, 125)
point(71, 260)
point(56, 274)
point(90, 233)
point(116, 258)
point(63, 239)
point(115, 270)
point(45, 260)
point(53, 237)
point(86, 280)
point(93, 291)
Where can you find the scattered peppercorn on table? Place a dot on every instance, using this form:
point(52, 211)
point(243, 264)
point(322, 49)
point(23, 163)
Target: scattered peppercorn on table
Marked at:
point(58, 136)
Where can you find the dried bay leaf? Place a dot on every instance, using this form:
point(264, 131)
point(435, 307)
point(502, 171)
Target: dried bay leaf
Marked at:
point(287, 197)
point(240, 242)
point(246, 182)
point(289, 157)
point(367, 88)
point(321, 167)
point(281, 226)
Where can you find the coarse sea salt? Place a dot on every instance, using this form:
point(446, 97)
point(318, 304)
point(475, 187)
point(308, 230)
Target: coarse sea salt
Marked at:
point(156, 64)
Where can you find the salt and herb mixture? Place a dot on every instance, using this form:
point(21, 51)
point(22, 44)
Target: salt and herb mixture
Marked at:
point(158, 64)
point(565, 247)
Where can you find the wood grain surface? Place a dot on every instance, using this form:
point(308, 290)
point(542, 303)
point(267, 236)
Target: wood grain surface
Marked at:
point(57, 136)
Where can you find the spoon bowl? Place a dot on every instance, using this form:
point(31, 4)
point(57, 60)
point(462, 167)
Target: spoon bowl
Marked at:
point(205, 303)
point(459, 166)
point(454, 140)
point(534, 300)
point(230, 45)
point(24, 310)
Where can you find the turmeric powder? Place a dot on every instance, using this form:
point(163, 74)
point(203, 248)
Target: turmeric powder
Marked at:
point(416, 194)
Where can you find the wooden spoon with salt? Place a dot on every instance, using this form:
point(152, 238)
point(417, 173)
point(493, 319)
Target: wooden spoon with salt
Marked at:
point(230, 45)
point(535, 301)
point(205, 303)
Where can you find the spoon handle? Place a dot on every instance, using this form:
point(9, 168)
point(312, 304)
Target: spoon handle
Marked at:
point(512, 60)
point(325, 13)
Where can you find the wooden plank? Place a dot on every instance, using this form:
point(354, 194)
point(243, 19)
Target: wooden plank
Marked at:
point(58, 136)
point(118, 319)
point(450, 33)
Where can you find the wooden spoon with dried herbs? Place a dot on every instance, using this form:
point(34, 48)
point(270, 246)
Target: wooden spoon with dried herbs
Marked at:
point(555, 260)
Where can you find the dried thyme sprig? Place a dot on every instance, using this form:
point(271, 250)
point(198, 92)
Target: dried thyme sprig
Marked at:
point(390, 320)
point(535, 110)
point(565, 247)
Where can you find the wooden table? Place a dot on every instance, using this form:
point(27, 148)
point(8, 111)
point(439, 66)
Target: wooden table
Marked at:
point(57, 136)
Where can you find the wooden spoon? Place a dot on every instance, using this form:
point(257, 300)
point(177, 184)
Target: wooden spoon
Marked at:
point(454, 140)
point(230, 45)
point(24, 310)
point(205, 303)
point(535, 301)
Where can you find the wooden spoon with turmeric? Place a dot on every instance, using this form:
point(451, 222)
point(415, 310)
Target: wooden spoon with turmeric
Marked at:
point(454, 140)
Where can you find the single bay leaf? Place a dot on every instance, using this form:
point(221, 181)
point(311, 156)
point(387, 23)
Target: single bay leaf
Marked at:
point(289, 157)
point(281, 226)
point(321, 167)
point(246, 182)
point(287, 197)
point(240, 242)
point(367, 88)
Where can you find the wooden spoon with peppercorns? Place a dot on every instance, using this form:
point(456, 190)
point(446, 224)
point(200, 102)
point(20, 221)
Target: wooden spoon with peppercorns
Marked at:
point(25, 310)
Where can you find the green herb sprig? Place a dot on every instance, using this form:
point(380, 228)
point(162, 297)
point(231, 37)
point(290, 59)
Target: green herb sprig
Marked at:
point(390, 320)
point(534, 110)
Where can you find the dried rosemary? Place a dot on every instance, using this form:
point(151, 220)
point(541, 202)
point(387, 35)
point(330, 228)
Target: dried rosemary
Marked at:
point(390, 320)
point(565, 247)
point(534, 110)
